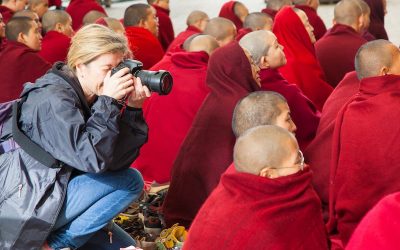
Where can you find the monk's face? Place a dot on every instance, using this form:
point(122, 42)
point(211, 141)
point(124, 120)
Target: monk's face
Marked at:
point(66, 28)
point(366, 21)
point(34, 38)
point(41, 8)
point(275, 57)
point(151, 22)
point(20, 5)
point(284, 120)
point(255, 68)
point(309, 28)
point(241, 11)
point(203, 23)
point(2, 27)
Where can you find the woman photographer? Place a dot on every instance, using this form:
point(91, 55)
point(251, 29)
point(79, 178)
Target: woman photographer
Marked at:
point(72, 112)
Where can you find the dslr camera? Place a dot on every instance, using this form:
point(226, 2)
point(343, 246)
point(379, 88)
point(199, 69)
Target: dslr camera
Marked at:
point(157, 81)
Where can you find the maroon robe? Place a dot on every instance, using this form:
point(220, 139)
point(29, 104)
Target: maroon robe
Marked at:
point(19, 64)
point(247, 211)
point(77, 9)
point(177, 43)
point(227, 11)
point(380, 227)
point(365, 153)
point(55, 46)
point(56, 3)
point(144, 46)
point(318, 153)
point(315, 20)
point(377, 17)
point(207, 149)
point(242, 32)
point(6, 12)
point(302, 110)
point(272, 13)
point(169, 117)
point(335, 65)
point(165, 29)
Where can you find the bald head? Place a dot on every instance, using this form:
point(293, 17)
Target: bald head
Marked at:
point(377, 58)
point(222, 29)
point(258, 21)
point(52, 17)
point(240, 10)
point(205, 43)
point(261, 147)
point(197, 19)
point(257, 43)
point(92, 16)
point(257, 108)
point(277, 4)
point(348, 12)
point(30, 14)
point(186, 43)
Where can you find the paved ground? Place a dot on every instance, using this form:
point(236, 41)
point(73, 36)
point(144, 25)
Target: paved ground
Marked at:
point(181, 8)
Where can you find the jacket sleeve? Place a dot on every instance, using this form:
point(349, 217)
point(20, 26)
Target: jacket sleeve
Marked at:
point(105, 141)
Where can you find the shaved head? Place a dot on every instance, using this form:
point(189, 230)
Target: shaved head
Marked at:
point(258, 21)
point(222, 29)
point(186, 43)
point(92, 16)
point(277, 4)
point(257, 43)
point(52, 17)
point(261, 147)
point(257, 108)
point(347, 12)
point(205, 43)
point(375, 55)
point(195, 17)
point(240, 10)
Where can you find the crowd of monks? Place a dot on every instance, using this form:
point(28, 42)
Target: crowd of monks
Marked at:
point(251, 93)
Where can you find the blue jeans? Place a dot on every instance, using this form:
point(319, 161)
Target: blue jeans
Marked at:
point(92, 201)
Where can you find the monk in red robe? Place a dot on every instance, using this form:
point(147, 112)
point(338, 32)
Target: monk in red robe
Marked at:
point(170, 117)
point(196, 23)
point(295, 33)
point(378, 12)
point(267, 202)
point(273, 6)
point(255, 21)
point(345, 36)
point(19, 60)
point(318, 153)
point(165, 29)
point(7, 9)
point(77, 9)
point(141, 28)
point(310, 8)
point(380, 228)
point(234, 11)
point(222, 29)
point(365, 160)
point(57, 25)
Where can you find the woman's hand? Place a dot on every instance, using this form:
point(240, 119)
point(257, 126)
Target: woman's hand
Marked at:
point(118, 85)
point(139, 94)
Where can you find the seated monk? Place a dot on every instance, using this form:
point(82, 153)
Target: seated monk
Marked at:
point(165, 29)
point(345, 36)
point(222, 29)
point(234, 11)
point(266, 202)
point(2, 33)
point(7, 9)
point(378, 12)
point(255, 21)
point(365, 159)
point(112, 23)
point(57, 26)
point(77, 9)
point(318, 153)
point(379, 229)
point(196, 23)
point(310, 8)
point(295, 33)
point(273, 6)
point(38, 6)
point(19, 60)
point(169, 117)
point(141, 29)
point(92, 16)
point(366, 12)
point(207, 149)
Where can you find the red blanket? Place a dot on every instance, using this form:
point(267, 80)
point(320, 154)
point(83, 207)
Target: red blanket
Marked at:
point(318, 153)
point(18, 65)
point(377, 17)
point(79, 8)
point(177, 43)
point(55, 46)
point(170, 117)
point(207, 149)
point(227, 11)
point(341, 38)
point(302, 67)
point(6, 12)
point(144, 46)
point(365, 153)
point(315, 20)
point(380, 227)
point(165, 29)
point(251, 212)
point(303, 112)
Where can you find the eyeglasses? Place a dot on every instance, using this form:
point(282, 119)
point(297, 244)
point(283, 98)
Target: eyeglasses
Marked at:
point(301, 163)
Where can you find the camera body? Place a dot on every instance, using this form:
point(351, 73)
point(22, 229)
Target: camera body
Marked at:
point(156, 81)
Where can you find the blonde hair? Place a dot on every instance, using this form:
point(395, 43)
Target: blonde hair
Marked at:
point(93, 41)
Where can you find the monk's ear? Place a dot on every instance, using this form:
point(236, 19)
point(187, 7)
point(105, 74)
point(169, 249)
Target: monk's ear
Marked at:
point(384, 71)
point(142, 23)
point(268, 172)
point(21, 38)
point(59, 27)
point(264, 64)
